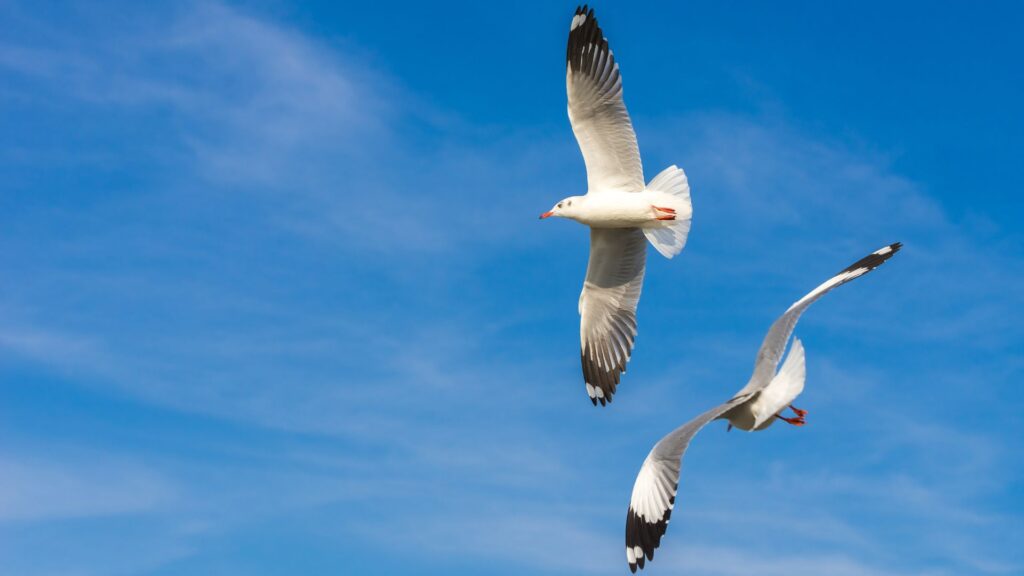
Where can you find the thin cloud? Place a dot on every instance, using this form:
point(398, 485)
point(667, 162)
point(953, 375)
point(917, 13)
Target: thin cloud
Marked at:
point(36, 489)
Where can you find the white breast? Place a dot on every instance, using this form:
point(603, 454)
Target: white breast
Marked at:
point(616, 209)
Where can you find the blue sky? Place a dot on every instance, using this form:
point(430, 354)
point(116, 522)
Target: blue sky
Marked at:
point(275, 298)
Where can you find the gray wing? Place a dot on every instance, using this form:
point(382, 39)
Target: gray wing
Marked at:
point(654, 492)
point(596, 110)
point(778, 335)
point(615, 276)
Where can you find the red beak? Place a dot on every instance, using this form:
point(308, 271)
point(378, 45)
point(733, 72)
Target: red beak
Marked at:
point(545, 215)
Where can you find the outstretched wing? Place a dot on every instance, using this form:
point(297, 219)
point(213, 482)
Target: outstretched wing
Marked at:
point(778, 335)
point(596, 110)
point(654, 492)
point(607, 307)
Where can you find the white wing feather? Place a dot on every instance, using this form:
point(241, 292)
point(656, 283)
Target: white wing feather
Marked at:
point(597, 112)
point(615, 276)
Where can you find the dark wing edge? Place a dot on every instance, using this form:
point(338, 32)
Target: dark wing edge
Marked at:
point(613, 352)
point(584, 31)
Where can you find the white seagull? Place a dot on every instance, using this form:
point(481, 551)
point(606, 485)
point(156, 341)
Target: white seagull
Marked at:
point(757, 406)
point(619, 209)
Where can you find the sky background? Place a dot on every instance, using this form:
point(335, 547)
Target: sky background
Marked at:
point(274, 298)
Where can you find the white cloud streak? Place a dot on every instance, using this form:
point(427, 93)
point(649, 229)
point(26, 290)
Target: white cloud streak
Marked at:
point(34, 489)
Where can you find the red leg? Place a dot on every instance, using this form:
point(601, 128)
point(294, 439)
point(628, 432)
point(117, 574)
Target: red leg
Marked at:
point(800, 413)
point(798, 421)
point(664, 213)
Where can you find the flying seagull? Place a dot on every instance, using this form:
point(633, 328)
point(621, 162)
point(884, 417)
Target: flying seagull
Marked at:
point(757, 406)
point(619, 209)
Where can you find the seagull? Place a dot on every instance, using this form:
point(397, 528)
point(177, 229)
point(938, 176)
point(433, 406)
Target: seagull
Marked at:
point(756, 407)
point(619, 209)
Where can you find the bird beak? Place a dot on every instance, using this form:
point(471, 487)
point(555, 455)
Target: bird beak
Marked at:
point(545, 215)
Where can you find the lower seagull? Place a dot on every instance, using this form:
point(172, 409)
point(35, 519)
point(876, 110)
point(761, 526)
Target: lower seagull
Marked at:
point(757, 406)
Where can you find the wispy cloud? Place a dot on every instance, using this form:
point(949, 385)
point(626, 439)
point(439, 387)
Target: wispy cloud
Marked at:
point(724, 561)
point(33, 489)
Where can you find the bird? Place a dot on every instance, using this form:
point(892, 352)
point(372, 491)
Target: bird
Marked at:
point(623, 214)
point(755, 407)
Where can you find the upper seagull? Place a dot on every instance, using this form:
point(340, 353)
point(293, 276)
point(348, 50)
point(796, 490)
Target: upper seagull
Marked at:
point(619, 209)
point(757, 406)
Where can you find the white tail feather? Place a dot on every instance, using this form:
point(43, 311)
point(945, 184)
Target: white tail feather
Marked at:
point(787, 384)
point(670, 238)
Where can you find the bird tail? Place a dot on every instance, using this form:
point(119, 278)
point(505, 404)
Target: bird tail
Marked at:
point(669, 236)
point(787, 384)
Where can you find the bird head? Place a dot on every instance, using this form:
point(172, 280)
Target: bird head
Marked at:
point(565, 209)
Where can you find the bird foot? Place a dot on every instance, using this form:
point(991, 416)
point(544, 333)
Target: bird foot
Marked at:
point(664, 213)
point(798, 421)
point(800, 413)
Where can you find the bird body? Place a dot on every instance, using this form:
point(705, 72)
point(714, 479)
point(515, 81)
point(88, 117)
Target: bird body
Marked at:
point(618, 209)
point(760, 411)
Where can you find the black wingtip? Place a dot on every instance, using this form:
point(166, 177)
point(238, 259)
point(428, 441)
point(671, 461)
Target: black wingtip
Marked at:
point(583, 31)
point(603, 381)
point(603, 400)
point(875, 259)
point(645, 534)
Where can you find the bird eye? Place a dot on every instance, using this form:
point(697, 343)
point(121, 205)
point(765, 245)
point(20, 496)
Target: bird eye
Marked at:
point(559, 204)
